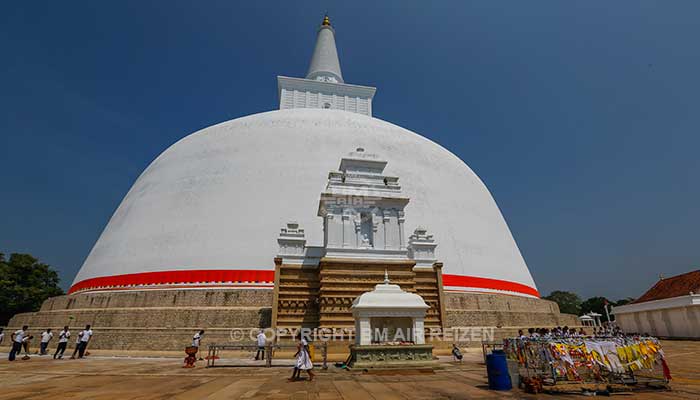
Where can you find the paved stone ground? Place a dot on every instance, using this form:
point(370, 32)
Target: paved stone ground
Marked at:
point(102, 377)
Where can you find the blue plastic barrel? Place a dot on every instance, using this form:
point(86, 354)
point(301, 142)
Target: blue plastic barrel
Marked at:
point(497, 370)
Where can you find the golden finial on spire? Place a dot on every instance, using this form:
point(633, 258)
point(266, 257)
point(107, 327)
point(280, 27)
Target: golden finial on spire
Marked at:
point(326, 21)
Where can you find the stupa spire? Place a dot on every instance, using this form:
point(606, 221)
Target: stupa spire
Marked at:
point(325, 65)
point(323, 86)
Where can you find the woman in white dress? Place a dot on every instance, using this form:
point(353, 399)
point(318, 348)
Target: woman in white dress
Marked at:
point(303, 360)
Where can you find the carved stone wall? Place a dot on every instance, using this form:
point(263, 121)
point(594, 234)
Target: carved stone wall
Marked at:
point(377, 356)
point(296, 296)
point(322, 296)
point(152, 319)
point(167, 319)
point(500, 310)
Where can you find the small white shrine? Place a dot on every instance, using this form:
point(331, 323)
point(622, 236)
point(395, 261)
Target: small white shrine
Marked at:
point(389, 315)
point(389, 329)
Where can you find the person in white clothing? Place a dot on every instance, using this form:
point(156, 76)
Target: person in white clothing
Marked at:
point(262, 341)
point(62, 343)
point(197, 340)
point(45, 339)
point(2, 335)
point(77, 345)
point(303, 360)
point(26, 340)
point(17, 339)
point(84, 340)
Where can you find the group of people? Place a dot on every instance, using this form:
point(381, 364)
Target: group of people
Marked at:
point(302, 358)
point(21, 339)
point(566, 332)
point(546, 333)
point(609, 331)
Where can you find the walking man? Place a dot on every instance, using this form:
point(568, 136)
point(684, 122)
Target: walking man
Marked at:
point(197, 340)
point(77, 345)
point(26, 341)
point(62, 343)
point(456, 353)
point(262, 340)
point(45, 339)
point(17, 339)
point(2, 335)
point(84, 340)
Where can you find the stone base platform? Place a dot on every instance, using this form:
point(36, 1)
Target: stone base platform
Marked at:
point(392, 356)
point(165, 320)
point(159, 320)
point(503, 311)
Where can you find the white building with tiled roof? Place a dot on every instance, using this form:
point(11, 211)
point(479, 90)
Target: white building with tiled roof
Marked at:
point(671, 308)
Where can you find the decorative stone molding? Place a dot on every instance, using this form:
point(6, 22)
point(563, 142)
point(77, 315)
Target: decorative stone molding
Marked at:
point(309, 93)
point(292, 243)
point(421, 248)
point(370, 204)
point(377, 356)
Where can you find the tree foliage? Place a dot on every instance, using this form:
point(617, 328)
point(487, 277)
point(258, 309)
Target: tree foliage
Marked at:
point(624, 301)
point(24, 284)
point(595, 304)
point(568, 302)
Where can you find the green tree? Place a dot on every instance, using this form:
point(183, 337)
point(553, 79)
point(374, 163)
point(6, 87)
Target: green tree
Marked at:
point(595, 304)
point(24, 284)
point(624, 301)
point(568, 302)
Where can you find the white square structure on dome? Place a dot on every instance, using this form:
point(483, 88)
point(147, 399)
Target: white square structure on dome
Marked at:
point(307, 93)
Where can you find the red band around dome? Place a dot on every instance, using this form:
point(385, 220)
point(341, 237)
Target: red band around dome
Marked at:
point(187, 277)
point(222, 276)
point(488, 283)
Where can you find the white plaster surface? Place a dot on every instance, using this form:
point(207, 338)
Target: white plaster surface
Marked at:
point(677, 317)
point(217, 198)
point(390, 297)
point(324, 61)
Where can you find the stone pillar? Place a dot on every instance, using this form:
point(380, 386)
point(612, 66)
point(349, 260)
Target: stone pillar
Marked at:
point(418, 330)
point(441, 294)
point(377, 240)
point(276, 293)
point(358, 232)
point(385, 225)
point(392, 231)
point(334, 231)
point(349, 235)
point(402, 238)
point(363, 335)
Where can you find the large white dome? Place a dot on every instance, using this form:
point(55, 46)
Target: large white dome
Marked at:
point(208, 209)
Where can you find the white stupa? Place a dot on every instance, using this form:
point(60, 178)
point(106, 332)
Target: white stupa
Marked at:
point(206, 211)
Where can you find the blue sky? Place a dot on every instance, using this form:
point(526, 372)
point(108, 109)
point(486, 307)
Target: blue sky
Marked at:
point(581, 117)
